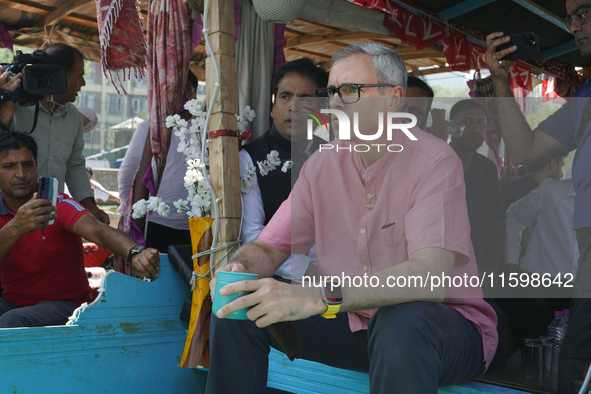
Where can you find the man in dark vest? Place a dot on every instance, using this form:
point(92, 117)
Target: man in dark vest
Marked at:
point(264, 192)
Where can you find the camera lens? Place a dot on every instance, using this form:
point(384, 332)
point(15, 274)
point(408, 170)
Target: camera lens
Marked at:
point(530, 40)
point(42, 82)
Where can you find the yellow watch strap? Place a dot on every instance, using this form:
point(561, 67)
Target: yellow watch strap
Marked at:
point(331, 312)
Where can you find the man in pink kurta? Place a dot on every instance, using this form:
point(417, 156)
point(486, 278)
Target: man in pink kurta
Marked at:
point(377, 214)
point(412, 210)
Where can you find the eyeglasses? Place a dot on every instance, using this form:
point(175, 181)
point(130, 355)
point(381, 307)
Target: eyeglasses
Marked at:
point(578, 15)
point(349, 93)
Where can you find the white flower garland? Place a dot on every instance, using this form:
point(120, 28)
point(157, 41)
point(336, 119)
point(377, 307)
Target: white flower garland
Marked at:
point(198, 202)
point(273, 161)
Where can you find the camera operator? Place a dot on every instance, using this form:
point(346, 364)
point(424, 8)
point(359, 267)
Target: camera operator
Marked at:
point(59, 131)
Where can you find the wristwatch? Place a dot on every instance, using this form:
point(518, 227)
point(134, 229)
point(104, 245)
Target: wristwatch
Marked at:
point(137, 249)
point(333, 298)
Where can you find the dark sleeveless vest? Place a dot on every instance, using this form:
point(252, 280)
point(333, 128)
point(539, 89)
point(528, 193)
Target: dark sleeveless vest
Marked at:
point(276, 185)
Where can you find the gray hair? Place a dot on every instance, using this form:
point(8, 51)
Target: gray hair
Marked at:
point(387, 64)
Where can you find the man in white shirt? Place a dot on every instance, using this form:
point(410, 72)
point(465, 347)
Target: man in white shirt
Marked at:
point(552, 253)
point(552, 248)
point(287, 137)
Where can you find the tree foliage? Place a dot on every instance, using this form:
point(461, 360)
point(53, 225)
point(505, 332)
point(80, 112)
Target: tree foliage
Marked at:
point(6, 56)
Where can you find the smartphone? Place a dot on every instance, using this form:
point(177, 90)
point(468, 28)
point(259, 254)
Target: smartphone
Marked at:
point(47, 189)
point(528, 46)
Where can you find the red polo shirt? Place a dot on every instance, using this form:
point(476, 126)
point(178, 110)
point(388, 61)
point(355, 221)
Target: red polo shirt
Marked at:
point(47, 265)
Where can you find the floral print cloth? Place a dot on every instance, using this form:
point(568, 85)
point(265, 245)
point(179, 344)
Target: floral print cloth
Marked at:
point(123, 46)
point(169, 51)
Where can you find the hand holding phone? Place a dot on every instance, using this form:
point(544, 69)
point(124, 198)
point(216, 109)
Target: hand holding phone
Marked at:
point(47, 189)
point(528, 46)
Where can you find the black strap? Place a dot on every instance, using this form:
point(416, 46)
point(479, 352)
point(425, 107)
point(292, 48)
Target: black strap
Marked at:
point(585, 119)
point(5, 95)
point(37, 116)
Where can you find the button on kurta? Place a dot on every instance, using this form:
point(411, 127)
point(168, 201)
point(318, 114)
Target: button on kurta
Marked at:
point(362, 231)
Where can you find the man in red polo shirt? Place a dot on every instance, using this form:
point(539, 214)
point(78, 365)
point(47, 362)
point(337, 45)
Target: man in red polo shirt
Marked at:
point(42, 266)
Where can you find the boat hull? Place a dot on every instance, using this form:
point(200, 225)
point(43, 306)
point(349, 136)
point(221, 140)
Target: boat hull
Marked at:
point(130, 341)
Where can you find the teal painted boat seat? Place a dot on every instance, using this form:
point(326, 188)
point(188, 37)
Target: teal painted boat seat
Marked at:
point(306, 377)
point(129, 341)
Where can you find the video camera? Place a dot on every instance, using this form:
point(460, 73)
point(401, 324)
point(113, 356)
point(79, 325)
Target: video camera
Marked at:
point(40, 77)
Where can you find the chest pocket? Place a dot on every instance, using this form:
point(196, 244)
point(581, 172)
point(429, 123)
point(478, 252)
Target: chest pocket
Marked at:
point(393, 235)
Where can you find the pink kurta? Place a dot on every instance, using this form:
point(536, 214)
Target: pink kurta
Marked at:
point(418, 199)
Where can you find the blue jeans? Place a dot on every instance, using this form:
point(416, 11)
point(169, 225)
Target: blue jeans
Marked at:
point(408, 348)
point(46, 313)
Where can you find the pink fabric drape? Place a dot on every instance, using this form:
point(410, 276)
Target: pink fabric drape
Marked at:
point(5, 39)
point(278, 56)
point(169, 51)
point(197, 28)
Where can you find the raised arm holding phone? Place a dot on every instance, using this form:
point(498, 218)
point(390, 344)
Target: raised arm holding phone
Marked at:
point(561, 132)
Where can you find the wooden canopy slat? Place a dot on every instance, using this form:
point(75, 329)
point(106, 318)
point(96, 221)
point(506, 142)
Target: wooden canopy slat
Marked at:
point(63, 11)
point(290, 33)
point(42, 10)
point(392, 42)
point(435, 70)
point(90, 40)
point(302, 52)
point(437, 62)
point(316, 25)
point(318, 47)
point(26, 6)
point(336, 36)
point(421, 55)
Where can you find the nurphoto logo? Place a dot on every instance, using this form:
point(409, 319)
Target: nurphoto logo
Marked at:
point(344, 128)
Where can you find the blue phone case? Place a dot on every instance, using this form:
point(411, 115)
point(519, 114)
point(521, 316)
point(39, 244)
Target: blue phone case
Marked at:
point(47, 189)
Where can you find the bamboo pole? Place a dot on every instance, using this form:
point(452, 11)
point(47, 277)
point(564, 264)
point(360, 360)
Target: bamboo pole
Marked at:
point(223, 151)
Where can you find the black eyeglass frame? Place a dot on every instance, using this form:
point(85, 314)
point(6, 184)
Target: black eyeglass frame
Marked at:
point(331, 91)
point(581, 11)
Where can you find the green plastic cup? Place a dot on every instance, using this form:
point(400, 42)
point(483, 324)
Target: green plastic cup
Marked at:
point(224, 278)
